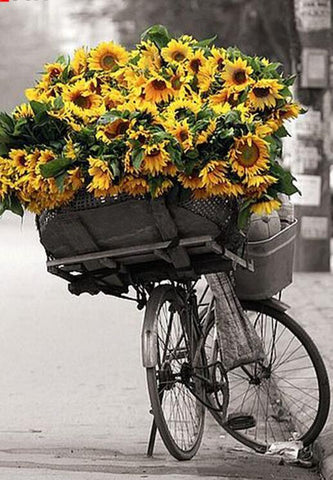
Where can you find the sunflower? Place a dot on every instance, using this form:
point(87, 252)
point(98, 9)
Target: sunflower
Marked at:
point(179, 80)
point(134, 185)
point(249, 155)
point(226, 95)
point(258, 185)
point(262, 130)
point(79, 63)
point(217, 60)
point(176, 51)
point(150, 58)
point(81, 101)
point(214, 173)
point(106, 56)
point(264, 93)
point(237, 74)
point(226, 188)
point(107, 133)
point(19, 158)
point(203, 136)
point(158, 89)
point(181, 131)
point(101, 177)
point(53, 71)
point(221, 108)
point(163, 187)
point(70, 150)
point(155, 159)
point(180, 108)
point(196, 61)
point(170, 170)
point(205, 77)
point(289, 110)
point(265, 207)
point(112, 98)
point(192, 181)
point(23, 111)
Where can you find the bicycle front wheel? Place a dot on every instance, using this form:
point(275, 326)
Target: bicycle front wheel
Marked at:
point(288, 393)
point(179, 416)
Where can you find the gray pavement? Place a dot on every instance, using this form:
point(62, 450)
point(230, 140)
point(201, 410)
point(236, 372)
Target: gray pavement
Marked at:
point(72, 389)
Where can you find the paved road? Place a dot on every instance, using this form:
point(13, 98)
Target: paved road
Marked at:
point(72, 390)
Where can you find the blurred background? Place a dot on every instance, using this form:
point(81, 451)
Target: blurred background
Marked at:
point(48, 338)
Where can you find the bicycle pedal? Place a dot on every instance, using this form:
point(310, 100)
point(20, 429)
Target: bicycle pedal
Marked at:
point(240, 421)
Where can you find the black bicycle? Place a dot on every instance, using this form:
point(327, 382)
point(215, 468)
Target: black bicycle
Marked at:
point(285, 396)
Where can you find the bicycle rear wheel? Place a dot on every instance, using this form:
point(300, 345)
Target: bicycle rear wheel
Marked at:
point(179, 416)
point(288, 393)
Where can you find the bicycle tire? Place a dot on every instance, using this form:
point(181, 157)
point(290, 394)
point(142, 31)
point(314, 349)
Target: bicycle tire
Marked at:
point(272, 427)
point(181, 435)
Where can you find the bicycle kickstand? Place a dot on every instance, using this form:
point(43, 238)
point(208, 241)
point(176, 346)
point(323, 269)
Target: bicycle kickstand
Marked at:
point(152, 438)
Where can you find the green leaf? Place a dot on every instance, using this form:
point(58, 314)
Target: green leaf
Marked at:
point(157, 34)
point(42, 118)
point(244, 217)
point(58, 103)
point(15, 206)
point(286, 179)
point(110, 117)
point(38, 107)
point(3, 149)
point(282, 132)
point(285, 92)
point(115, 168)
point(60, 180)
point(137, 157)
point(61, 59)
point(55, 167)
point(3, 206)
point(206, 42)
point(290, 80)
point(6, 121)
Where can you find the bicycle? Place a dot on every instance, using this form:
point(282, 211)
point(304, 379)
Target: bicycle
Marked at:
point(185, 375)
point(259, 403)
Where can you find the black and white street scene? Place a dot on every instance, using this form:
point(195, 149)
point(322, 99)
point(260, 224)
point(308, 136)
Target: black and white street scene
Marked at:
point(166, 239)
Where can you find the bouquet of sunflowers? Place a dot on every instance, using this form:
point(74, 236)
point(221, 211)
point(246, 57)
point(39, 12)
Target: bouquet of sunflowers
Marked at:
point(172, 113)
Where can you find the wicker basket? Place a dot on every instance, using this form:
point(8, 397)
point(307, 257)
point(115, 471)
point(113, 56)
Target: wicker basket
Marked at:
point(88, 225)
point(273, 266)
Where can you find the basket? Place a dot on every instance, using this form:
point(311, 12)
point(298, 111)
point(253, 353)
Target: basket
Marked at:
point(273, 266)
point(88, 226)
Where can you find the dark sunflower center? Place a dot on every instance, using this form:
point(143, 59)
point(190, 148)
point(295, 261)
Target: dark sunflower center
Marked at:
point(239, 76)
point(154, 152)
point(183, 135)
point(21, 160)
point(261, 92)
point(122, 128)
point(141, 139)
point(108, 61)
point(220, 64)
point(233, 99)
point(54, 72)
point(195, 65)
point(178, 56)
point(249, 155)
point(82, 102)
point(159, 84)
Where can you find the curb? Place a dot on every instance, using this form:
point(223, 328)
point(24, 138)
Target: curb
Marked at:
point(323, 453)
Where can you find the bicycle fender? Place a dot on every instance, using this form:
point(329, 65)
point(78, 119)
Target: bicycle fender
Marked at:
point(269, 302)
point(149, 343)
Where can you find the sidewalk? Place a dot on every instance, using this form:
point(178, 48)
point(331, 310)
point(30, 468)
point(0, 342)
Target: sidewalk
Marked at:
point(311, 298)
